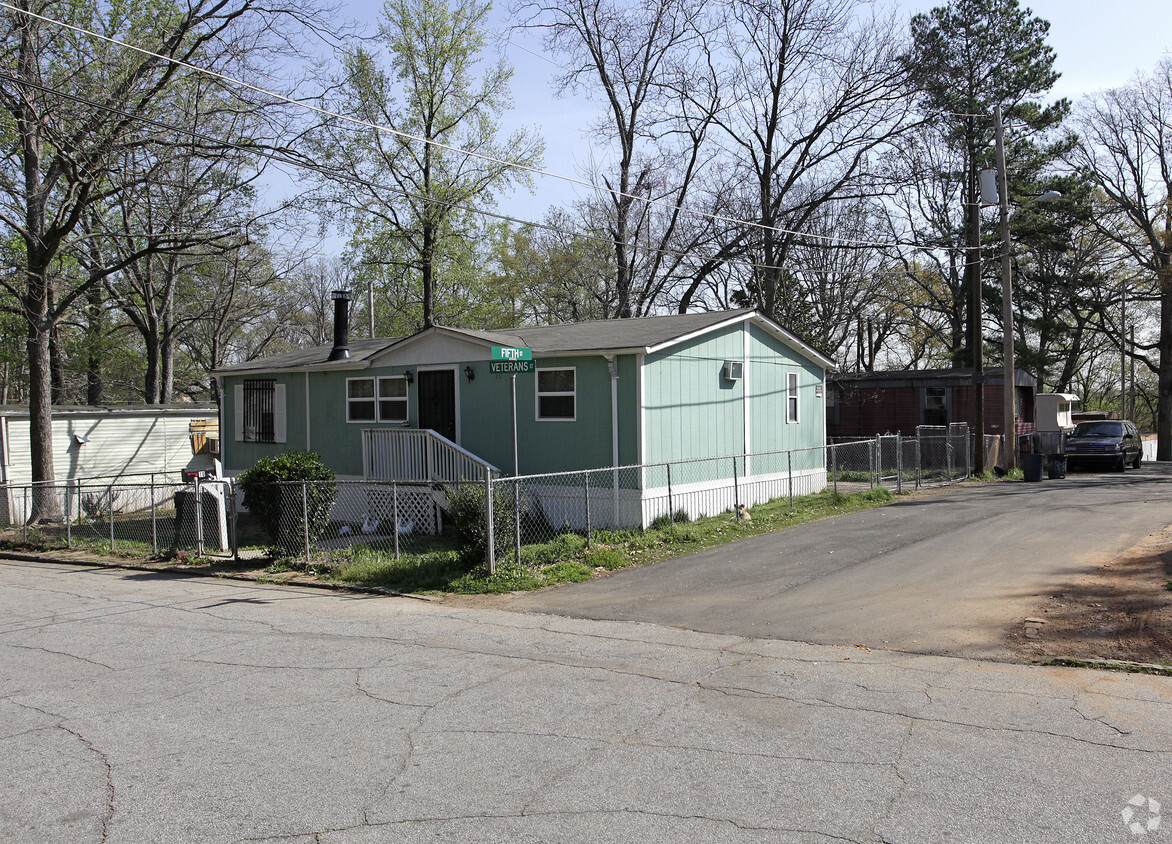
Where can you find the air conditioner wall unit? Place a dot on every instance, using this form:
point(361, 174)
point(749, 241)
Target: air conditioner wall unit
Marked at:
point(733, 370)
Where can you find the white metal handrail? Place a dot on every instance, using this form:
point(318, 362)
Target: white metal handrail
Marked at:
point(413, 454)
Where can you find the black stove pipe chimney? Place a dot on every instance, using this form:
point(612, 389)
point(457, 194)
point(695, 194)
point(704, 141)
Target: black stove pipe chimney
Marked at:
point(341, 349)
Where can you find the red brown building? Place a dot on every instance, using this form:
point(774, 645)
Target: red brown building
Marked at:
point(863, 404)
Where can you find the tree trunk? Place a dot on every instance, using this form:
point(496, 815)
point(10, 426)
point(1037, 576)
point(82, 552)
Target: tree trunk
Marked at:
point(94, 347)
point(1164, 397)
point(45, 506)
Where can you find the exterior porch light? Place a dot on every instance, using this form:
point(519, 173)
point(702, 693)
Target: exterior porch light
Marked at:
point(470, 373)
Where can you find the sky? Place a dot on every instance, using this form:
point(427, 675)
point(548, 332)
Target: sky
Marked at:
point(1098, 44)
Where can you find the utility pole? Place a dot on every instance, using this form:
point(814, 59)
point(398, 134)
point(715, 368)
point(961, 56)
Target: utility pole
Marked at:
point(1008, 393)
point(976, 335)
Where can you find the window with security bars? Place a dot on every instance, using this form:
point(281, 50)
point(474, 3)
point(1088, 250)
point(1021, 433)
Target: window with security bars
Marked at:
point(259, 410)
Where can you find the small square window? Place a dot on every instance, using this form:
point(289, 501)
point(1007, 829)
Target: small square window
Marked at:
point(360, 404)
point(556, 394)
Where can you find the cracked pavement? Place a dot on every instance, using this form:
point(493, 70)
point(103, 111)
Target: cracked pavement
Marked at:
point(148, 708)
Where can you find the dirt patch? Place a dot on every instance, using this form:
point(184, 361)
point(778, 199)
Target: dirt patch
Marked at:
point(1121, 611)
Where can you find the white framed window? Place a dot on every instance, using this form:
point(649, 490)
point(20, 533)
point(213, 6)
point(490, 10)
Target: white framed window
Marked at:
point(381, 399)
point(360, 402)
point(557, 394)
point(791, 397)
point(392, 398)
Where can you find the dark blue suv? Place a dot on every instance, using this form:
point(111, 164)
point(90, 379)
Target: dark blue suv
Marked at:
point(1106, 442)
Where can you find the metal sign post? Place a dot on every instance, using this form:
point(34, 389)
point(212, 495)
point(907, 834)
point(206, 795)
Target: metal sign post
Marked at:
point(510, 360)
point(513, 387)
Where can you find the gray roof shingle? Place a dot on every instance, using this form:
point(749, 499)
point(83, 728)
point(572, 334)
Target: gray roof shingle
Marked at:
point(595, 336)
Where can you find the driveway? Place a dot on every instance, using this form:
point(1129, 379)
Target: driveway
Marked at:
point(943, 573)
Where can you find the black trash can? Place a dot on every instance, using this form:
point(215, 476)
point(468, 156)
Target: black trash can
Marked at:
point(1031, 467)
point(1057, 466)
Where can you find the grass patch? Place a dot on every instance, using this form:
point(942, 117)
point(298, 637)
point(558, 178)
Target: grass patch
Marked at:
point(567, 559)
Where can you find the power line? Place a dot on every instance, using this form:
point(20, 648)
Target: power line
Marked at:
point(438, 144)
point(276, 155)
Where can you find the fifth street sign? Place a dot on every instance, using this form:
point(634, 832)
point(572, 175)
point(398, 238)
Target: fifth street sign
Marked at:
point(511, 353)
point(511, 366)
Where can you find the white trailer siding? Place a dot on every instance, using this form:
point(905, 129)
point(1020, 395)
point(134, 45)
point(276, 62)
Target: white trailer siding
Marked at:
point(120, 442)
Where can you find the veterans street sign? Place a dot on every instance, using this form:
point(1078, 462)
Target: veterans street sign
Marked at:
point(511, 353)
point(509, 367)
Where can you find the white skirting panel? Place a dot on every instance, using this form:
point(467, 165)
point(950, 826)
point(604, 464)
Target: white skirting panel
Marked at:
point(566, 506)
point(714, 497)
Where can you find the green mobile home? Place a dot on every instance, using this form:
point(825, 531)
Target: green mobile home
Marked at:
point(601, 394)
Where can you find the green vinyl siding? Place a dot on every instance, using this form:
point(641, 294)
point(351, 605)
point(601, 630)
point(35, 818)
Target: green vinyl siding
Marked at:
point(548, 445)
point(770, 361)
point(690, 409)
point(239, 456)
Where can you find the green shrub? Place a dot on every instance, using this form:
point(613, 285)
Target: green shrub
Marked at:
point(465, 511)
point(604, 558)
point(274, 497)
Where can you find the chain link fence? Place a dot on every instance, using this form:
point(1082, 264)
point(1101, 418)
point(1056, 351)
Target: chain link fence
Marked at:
point(137, 515)
point(543, 508)
point(338, 520)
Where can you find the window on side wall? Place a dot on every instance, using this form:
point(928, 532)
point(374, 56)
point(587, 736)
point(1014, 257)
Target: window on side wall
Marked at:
point(392, 399)
point(260, 411)
point(556, 394)
point(791, 397)
point(360, 402)
point(936, 406)
point(382, 399)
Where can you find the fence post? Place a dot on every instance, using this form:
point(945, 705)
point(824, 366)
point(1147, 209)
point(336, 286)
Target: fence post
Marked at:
point(304, 517)
point(154, 528)
point(488, 518)
point(586, 490)
point(516, 520)
point(24, 514)
point(834, 465)
point(899, 464)
point(230, 491)
point(110, 510)
point(736, 487)
point(789, 464)
point(948, 459)
point(68, 515)
point(671, 510)
point(395, 514)
point(199, 549)
point(919, 459)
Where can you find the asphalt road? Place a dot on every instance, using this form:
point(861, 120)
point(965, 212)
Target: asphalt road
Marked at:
point(147, 708)
point(945, 573)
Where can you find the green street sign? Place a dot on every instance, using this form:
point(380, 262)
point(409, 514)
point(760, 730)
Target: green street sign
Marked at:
point(507, 367)
point(511, 353)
